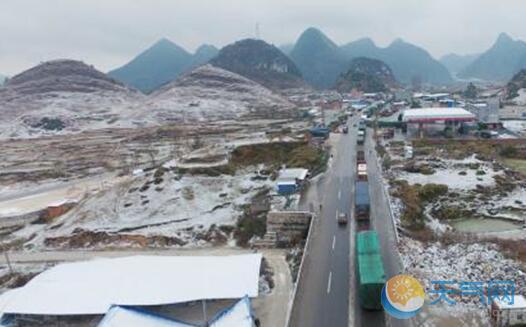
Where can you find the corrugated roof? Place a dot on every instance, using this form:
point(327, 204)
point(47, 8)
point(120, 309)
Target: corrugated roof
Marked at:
point(92, 287)
point(129, 317)
point(436, 114)
point(239, 315)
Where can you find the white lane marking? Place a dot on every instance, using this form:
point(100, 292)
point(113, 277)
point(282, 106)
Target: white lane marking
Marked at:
point(339, 194)
point(329, 283)
point(336, 214)
point(333, 241)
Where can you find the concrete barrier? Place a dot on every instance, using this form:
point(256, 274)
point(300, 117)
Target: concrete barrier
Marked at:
point(300, 269)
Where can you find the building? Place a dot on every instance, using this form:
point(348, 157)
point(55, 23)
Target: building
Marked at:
point(88, 289)
point(291, 179)
point(503, 313)
point(487, 112)
point(436, 120)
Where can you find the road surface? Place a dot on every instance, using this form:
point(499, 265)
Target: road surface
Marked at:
point(381, 222)
point(322, 297)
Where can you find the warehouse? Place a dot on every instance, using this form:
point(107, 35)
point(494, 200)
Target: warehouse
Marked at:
point(435, 121)
point(85, 291)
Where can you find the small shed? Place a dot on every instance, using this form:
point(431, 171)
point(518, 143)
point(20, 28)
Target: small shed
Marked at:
point(504, 313)
point(291, 179)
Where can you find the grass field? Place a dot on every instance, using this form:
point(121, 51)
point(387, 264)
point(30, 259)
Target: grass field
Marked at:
point(516, 164)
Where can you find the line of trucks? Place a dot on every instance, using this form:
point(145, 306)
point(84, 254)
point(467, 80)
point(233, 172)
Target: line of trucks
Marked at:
point(369, 264)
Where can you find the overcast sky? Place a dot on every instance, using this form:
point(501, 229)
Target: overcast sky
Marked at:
point(108, 33)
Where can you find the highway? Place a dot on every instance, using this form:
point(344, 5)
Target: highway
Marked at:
point(326, 295)
point(381, 222)
point(323, 293)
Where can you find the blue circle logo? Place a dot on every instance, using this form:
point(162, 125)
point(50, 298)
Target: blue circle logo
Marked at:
point(402, 296)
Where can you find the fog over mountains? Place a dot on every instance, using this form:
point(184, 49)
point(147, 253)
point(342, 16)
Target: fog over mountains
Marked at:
point(315, 60)
point(500, 62)
point(161, 64)
point(261, 62)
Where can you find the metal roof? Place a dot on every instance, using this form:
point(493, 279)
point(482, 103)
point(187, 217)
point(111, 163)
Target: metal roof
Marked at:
point(437, 114)
point(92, 287)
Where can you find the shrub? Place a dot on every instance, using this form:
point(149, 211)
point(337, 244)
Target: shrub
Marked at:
point(450, 213)
point(426, 170)
point(481, 172)
point(249, 226)
point(509, 152)
point(430, 192)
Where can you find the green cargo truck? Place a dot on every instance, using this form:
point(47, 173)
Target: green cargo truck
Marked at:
point(367, 242)
point(370, 270)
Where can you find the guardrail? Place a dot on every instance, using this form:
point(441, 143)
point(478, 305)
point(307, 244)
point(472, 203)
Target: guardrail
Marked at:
point(300, 269)
point(388, 197)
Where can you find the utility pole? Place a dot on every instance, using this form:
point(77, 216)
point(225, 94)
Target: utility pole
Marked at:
point(258, 35)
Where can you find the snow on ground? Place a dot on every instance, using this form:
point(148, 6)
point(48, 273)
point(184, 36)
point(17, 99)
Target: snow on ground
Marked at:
point(520, 99)
point(52, 194)
point(449, 173)
point(175, 206)
point(459, 263)
point(516, 126)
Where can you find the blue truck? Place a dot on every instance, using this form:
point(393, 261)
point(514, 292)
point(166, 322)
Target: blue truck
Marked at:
point(361, 201)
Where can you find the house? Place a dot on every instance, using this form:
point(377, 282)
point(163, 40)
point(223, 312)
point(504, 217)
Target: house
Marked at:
point(503, 313)
point(487, 112)
point(291, 179)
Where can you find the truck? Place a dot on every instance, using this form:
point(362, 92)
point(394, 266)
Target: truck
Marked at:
point(360, 157)
point(320, 131)
point(369, 270)
point(362, 172)
point(361, 200)
point(361, 137)
point(362, 126)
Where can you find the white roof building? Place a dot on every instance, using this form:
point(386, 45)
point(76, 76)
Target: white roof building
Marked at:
point(129, 317)
point(505, 314)
point(239, 315)
point(424, 115)
point(293, 174)
point(93, 287)
point(519, 302)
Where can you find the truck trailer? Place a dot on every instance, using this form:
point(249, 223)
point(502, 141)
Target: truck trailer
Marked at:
point(361, 200)
point(369, 270)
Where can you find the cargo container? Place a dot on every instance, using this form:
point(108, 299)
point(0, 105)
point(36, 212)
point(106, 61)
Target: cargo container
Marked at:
point(361, 200)
point(362, 126)
point(362, 172)
point(360, 140)
point(370, 270)
point(367, 242)
point(320, 132)
point(360, 157)
point(371, 280)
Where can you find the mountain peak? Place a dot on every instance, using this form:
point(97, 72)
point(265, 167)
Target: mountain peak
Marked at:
point(206, 48)
point(504, 37)
point(312, 34)
point(259, 61)
point(365, 41)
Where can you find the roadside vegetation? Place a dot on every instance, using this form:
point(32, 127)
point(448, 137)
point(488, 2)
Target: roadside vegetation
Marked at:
point(415, 197)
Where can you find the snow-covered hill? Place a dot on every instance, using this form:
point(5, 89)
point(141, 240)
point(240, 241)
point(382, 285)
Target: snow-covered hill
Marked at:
point(66, 96)
point(63, 96)
point(211, 93)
